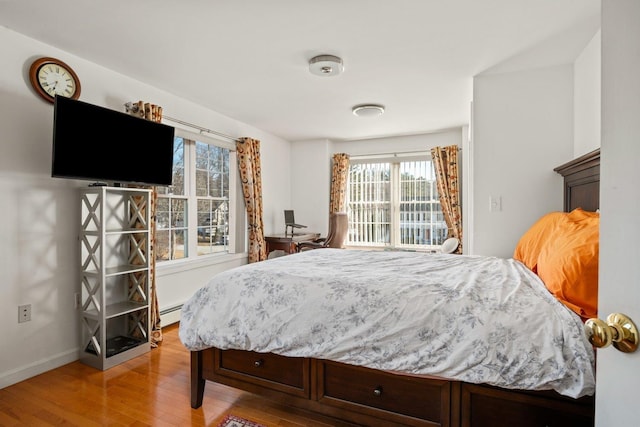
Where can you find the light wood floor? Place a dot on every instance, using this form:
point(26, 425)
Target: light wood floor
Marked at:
point(150, 390)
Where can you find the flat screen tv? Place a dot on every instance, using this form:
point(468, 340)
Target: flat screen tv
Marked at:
point(109, 147)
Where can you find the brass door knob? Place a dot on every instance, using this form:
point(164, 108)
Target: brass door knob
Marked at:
point(618, 330)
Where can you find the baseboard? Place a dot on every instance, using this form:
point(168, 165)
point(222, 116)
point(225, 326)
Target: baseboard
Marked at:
point(37, 368)
point(170, 315)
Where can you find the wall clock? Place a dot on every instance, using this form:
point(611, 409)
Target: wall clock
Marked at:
point(51, 77)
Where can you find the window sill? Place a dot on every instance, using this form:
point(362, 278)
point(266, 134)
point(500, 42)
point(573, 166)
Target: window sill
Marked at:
point(177, 266)
point(430, 250)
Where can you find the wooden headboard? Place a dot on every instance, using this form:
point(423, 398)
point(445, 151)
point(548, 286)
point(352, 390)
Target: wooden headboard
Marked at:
point(582, 182)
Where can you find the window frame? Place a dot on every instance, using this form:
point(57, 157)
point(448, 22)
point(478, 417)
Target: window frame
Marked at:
point(394, 160)
point(235, 215)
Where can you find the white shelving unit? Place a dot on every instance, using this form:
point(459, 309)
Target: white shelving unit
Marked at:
point(115, 297)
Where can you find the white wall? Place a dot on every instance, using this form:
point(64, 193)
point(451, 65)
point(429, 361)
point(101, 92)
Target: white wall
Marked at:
point(310, 185)
point(39, 256)
point(311, 163)
point(586, 99)
point(522, 130)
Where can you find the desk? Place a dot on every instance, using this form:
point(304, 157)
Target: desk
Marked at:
point(287, 242)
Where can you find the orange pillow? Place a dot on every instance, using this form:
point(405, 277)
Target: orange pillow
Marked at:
point(568, 264)
point(579, 214)
point(536, 237)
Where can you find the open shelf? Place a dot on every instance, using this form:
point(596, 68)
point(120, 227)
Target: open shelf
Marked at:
point(115, 271)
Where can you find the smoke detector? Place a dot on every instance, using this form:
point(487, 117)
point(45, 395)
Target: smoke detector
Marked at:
point(368, 110)
point(325, 65)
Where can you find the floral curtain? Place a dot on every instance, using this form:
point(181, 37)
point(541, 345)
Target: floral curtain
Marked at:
point(151, 112)
point(248, 153)
point(445, 161)
point(339, 176)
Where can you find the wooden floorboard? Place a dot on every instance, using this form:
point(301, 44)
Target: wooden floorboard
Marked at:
point(150, 390)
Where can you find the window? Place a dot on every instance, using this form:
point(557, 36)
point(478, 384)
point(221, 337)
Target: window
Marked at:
point(212, 195)
point(193, 213)
point(394, 203)
point(171, 210)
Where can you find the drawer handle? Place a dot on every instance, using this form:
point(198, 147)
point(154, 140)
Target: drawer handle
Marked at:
point(378, 391)
point(258, 363)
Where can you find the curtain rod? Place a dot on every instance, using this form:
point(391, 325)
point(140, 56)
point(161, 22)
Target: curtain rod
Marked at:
point(134, 107)
point(201, 129)
point(385, 155)
point(394, 154)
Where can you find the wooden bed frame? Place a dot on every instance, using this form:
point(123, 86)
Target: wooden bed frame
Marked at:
point(371, 397)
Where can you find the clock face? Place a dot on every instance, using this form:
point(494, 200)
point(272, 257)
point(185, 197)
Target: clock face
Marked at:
point(51, 77)
point(56, 80)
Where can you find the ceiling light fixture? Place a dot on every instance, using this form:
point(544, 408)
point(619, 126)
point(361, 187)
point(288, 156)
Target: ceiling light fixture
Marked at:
point(368, 110)
point(325, 65)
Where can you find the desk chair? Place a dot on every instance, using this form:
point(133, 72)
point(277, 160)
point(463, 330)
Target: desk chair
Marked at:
point(338, 228)
point(290, 221)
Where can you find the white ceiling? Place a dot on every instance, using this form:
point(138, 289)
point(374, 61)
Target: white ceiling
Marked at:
point(248, 59)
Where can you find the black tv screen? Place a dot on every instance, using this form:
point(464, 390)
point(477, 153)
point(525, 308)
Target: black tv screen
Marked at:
point(109, 147)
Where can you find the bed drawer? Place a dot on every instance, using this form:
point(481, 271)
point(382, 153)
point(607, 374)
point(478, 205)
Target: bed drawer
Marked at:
point(287, 374)
point(484, 406)
point(418, 401)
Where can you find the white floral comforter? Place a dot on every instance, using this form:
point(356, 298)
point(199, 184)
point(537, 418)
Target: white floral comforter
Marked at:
point(469, 318)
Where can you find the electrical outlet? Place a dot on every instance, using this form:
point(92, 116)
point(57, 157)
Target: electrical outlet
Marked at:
point(24, 313)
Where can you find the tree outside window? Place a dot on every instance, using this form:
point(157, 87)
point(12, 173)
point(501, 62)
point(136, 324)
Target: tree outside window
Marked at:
point(201, 185)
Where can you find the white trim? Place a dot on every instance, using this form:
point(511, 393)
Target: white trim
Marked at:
point(170, 315)
point(166, 268)
point(39, 367)
point(467, 189)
